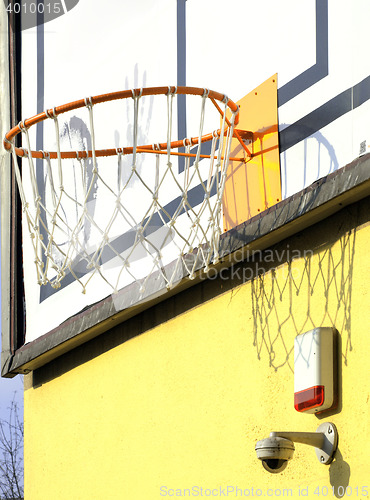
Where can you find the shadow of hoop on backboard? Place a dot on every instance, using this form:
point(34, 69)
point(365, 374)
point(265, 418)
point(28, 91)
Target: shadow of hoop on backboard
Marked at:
point(298, 173)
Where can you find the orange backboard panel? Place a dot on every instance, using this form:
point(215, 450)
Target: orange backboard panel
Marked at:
point(255, 185)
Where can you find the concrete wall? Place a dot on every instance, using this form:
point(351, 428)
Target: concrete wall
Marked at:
point(175, 399)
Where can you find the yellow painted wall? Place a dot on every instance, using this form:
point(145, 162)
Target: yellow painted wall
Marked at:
point(183, 404)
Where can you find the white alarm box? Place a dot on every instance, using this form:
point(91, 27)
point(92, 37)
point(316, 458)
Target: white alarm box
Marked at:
point(315, 370)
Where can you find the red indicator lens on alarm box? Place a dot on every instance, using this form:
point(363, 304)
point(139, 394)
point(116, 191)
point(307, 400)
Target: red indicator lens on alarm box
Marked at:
point(309, 398)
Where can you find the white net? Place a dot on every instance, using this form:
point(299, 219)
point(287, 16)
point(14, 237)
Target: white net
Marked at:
point(125, 217)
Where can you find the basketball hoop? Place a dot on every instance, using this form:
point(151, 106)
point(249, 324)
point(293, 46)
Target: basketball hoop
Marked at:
point(74, 205)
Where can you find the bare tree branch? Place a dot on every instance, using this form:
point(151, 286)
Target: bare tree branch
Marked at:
point(11, 455)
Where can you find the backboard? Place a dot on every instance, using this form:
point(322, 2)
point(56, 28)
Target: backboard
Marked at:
point(318, 116)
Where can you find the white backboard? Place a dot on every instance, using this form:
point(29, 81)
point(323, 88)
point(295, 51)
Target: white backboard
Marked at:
point(319, 50)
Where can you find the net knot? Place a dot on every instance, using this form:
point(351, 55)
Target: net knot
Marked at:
point(84, 154)
point(22, 127)
point(171, 92)
point(50, 113)
point(156, 261)
point(88, 102)
point(137, 96)
point(45, 154)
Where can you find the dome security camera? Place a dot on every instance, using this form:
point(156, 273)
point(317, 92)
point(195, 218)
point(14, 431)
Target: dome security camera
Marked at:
point(275, 453)
point(276, 450)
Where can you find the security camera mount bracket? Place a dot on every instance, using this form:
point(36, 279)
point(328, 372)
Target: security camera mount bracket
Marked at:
point(325, 440)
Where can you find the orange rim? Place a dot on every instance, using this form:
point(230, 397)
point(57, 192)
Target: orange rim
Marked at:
point(113, 96)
